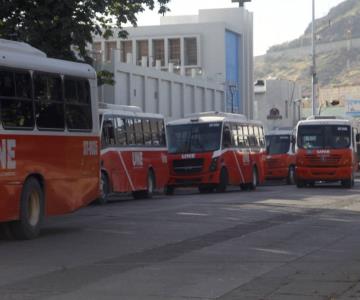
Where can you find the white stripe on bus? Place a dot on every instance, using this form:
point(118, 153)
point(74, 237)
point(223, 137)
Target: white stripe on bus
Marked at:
point(126, 171)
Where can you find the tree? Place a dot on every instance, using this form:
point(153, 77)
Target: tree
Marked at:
point(58, 26)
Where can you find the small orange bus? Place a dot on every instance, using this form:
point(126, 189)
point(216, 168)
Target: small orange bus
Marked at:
point(280, 159)
point(134, 152)
point(326, 150)
point(213, 150)
point(49, 138)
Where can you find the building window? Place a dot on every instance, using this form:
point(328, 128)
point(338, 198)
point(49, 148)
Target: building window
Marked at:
point(142, 49)
point(190, 48)
point(174, 52)
point(159, 51)
point(126, 48)
point(109, 47)
point(96, 51)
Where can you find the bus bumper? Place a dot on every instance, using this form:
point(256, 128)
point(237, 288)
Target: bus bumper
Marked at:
point(208, 178)
point(276, 173)
point(323, 174)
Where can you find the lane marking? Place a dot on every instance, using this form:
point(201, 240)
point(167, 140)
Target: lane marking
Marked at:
point(192, 214)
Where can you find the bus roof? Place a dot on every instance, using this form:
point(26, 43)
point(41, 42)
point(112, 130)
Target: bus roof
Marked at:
point(23, 56)
point(325, 121)
point(209, 117)
point(280, 131)
point(129, 112)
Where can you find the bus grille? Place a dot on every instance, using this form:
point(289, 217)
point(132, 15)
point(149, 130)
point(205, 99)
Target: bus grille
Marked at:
point(323, 160)
point(188, 166)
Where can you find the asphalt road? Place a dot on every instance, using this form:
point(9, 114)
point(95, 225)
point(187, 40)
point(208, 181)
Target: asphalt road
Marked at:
point(278, 242)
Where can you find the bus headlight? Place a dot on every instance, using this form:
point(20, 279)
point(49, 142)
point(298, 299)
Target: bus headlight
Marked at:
point(214, 164)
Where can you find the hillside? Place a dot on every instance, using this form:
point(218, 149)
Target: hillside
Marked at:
point(338, 51)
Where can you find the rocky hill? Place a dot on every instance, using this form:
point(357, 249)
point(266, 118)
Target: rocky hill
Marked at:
point(338, 51)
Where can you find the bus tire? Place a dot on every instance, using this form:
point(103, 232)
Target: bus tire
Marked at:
point(254, 179)
point(31, 211)
point(223, 182)
point(290, 180)
point(105, 189)
point(169, 190)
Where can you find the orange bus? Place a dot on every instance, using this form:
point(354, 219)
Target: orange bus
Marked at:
point(326, 150)
point(49, 138)
point(213, 150)
point(280, 159)
point(134, 152)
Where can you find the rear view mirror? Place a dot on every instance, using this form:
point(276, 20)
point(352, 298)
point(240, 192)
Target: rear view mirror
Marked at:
point(227, 138)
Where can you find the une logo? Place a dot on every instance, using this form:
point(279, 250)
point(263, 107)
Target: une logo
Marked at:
point(7, 154)
point(184, 156)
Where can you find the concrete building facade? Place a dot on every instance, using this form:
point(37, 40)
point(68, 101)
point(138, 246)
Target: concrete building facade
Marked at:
point(277, 103)
point(215, 46)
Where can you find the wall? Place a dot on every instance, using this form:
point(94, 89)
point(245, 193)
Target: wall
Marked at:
point(280, 95)
point(157, 91)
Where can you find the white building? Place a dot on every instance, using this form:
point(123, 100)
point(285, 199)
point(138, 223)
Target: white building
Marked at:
point(277, 103)
point(214, 47)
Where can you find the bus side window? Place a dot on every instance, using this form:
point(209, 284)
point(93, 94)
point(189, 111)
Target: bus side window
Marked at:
point(161, 127)
point(155, 132)
point(234, 134)
point(16, 103)
point(120, 131)
point(139, 136)
point(240, 136)
point(262, 141)
point(226, 136)
point(147, 132)
point(49, 101)
point(252, 138)
point(130, 133)
point(246, 135)
point(78, 104)
point(108, 133)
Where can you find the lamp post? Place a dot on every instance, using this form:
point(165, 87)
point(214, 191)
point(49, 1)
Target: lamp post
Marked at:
point(313, 68)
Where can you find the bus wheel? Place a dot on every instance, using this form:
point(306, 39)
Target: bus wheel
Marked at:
point(169, 190)
point(31, 211)
point(300, 183)
point(254, 181)
point(105, 189)
point(224, 180)
point(291, 176)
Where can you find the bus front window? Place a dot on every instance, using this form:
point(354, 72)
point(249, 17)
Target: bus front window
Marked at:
point(278, 144)
point(324, 136)
point(194, 138)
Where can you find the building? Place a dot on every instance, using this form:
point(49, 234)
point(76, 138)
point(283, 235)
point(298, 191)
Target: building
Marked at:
point(277, 103)
point(215, 46)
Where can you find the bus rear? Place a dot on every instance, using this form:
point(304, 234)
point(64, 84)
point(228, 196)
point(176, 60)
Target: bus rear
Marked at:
point(280, 159)
point(326, 151)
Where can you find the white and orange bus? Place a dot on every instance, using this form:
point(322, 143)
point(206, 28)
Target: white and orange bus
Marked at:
point(213, 150)
point(49, 138)
point(134, 152)
point(280, 155)
point(326, 151)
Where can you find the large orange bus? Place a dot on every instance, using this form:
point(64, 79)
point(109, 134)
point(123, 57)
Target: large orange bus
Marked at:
point(134, 152)
point(49, 138)
point(213, 150)
point(326, 151)
point(280, 155)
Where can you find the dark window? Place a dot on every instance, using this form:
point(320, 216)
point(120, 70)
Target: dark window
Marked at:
point(246, 135)
point(252, 137)
point(155, 132)
point(108, 133)
point(120, 131)
point(242, 143)
point(48, 101)
point(147, 131)
point(161, 127)
point(234, 134)
point(129, 125)
point(78, 104)
point(16, 100)
point(139, 137)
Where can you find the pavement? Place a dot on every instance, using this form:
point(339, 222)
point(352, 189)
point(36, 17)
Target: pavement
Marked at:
point(278, 242)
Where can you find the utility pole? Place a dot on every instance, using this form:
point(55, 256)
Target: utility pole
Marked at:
point(241, 2)
point(313, 68)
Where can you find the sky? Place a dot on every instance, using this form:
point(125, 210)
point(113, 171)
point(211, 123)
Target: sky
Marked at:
point(275, 21)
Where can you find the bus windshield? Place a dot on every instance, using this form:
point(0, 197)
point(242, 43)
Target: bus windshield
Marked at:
point(324, 136)
point(278, 144)
point(194, 138)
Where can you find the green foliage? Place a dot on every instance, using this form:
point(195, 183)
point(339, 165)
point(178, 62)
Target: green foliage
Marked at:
point(105, 77)
point(59, 26)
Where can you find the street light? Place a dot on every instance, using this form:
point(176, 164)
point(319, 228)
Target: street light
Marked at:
point(313, 68)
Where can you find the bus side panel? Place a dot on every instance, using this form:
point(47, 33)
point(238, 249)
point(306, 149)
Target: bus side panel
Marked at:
point(230, 160)
point(9, 204)
point(158, 162)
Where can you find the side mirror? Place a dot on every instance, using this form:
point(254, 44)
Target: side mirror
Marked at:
point(358, 137)
point(227, 138)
